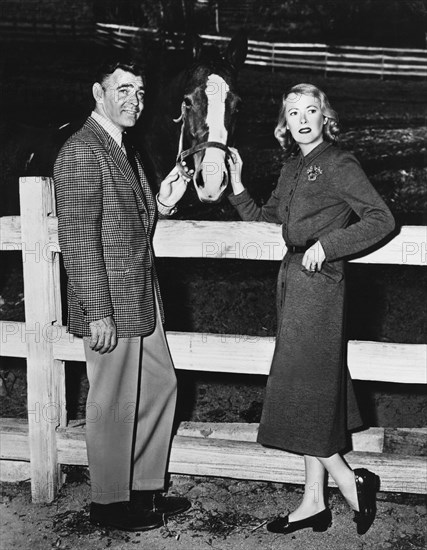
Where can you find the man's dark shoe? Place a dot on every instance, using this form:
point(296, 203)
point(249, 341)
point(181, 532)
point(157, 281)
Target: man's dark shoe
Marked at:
point(124, 516)
point(155, 502)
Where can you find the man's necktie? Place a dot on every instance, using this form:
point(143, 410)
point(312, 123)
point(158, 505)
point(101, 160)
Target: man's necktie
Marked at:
point(130, 153)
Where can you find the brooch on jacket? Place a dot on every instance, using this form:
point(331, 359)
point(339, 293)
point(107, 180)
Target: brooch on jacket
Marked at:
point(313, 172)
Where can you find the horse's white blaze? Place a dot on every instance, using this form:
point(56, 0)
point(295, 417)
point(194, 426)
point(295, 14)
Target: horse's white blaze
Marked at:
point(216, 93)
point(213, 166)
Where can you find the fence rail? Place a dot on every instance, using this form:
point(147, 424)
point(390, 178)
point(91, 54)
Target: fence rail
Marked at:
point(38, 447)
point(381, 62)
point(45, 30)
point(313, 57)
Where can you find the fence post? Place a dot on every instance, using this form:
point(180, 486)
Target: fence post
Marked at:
point(217, 17)
point(325, 72)
point(382, 65)
point(273, 57)
point(45, 376)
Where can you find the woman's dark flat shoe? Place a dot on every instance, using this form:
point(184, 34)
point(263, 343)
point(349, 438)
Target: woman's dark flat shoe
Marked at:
point(318, 522)
point(367, 485)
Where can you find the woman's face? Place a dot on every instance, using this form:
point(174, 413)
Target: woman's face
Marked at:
point(305, 120)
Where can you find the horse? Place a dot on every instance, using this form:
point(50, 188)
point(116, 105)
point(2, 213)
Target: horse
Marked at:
point(207, 118)
point(190, 119)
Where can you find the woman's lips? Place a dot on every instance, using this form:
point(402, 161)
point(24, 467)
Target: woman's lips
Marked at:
point(304, 130)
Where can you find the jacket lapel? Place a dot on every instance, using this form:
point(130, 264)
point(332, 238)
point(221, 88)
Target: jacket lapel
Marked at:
point(148, 194)
point(119, 158)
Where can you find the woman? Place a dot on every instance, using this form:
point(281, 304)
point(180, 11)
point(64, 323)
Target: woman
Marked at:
point(310, 404)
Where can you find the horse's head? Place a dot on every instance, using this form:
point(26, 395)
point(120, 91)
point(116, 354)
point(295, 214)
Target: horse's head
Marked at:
point(208, 112)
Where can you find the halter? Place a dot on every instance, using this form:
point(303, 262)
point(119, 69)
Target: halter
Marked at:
point(200, 147)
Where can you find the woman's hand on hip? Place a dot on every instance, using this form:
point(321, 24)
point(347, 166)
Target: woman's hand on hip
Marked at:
point(314, 257)
point(235, 165)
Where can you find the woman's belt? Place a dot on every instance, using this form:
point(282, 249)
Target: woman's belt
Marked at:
point(294, 249)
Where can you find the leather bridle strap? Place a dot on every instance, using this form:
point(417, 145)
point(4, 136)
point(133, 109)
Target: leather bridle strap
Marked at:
point(188, 152)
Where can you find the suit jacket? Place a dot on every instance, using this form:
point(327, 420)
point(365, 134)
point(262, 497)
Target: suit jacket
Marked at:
point(106, 219)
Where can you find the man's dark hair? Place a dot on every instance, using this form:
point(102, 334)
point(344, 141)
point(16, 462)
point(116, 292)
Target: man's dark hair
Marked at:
point(109, 67)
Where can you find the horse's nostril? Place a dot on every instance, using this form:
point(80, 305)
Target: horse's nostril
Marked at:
point(199, 180)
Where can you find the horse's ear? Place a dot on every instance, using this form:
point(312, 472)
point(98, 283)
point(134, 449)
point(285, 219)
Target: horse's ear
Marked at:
point(237, 49)
point(193, 46)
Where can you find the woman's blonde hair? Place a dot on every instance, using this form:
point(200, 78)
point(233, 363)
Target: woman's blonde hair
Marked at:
point(331, 129)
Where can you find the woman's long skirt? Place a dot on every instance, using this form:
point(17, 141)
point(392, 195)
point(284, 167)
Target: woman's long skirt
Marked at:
point(310, 404)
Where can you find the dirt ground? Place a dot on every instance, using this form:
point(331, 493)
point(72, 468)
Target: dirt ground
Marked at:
point(225, 515)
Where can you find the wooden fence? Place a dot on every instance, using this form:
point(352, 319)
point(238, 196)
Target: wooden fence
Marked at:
point(36, 448)
point(357, 60)
point(46, 20)
point(45, 31)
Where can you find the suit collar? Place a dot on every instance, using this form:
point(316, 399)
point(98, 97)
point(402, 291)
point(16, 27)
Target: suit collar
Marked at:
point(109, 127)
point(118, 156)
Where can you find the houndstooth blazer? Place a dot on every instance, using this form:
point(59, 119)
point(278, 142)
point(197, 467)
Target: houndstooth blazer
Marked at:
point(105, 222)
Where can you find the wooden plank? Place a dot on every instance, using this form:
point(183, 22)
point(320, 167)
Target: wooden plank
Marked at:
point(248, 460)
point(13, 471)
point(243, 460)
point(237, 240)
point(274, 50)
point(10, 233)
point(404, 441)
point(404, 363)
point(263, 241)
point(45, 376)
point(409, 441)
point(371, 440)
point(240, 354)
point(392, 362)
point(14, 442)
point(413, 440)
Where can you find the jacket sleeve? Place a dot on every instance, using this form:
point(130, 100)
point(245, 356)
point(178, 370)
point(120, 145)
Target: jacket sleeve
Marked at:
point(376, 221)
point(79, 196)
point(251, 212)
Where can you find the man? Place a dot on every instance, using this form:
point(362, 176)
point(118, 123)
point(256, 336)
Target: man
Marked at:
point(106, 216)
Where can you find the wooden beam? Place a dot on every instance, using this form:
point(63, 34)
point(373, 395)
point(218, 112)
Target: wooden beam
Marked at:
point(263, 241)
point(392, 362)
point(243, 460)
point(12, 338)
point(212, 456)
point(10, 233)
point(237, 240)
point(13, 471)
point(14, 442)
point(403, 441)
point(370, 440)
point(241, 354)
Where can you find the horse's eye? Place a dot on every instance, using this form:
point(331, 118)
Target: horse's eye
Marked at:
point(188, 102)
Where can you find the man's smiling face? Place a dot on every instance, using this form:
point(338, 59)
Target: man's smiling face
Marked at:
point(120, 98)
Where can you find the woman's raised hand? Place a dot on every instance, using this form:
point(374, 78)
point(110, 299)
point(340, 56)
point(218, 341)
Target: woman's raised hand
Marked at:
point(235, 164)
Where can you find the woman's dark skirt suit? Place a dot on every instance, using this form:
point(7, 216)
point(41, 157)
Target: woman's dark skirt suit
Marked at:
point(310, 404)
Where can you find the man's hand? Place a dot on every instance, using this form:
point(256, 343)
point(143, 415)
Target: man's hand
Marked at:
point(314, 257)
point(235, 165)
point(174, 185)
point(103, 335)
